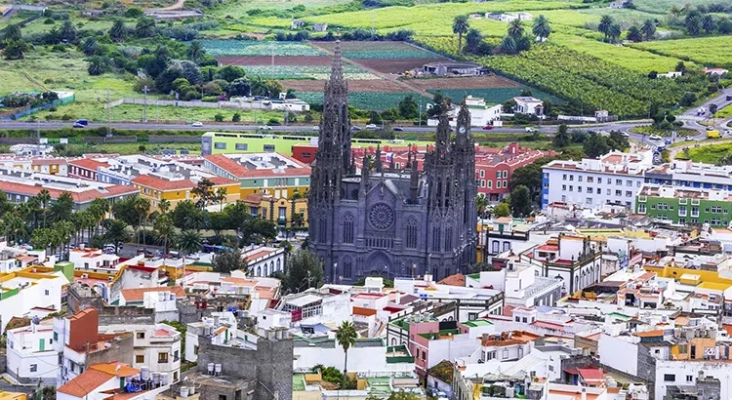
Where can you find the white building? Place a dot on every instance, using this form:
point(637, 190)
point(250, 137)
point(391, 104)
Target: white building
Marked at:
point(110, 381)
point(30, 354)
point(481, 114)
point(686, 373)
point(156, 347)
point(264, 260)
point(615, 178)
point(528, 105)
point(22, 292)
point(366, 356)
point(520, 285)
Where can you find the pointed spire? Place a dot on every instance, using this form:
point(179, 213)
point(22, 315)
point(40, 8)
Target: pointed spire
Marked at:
point(336, 73)
point(377, 159)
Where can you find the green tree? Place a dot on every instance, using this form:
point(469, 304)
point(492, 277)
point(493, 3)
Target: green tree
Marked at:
point(614, 33)
point(236, 117)
point(693, 23)
point(68, 31)
point(516, 29)
point(473, 40)
point(230, 73)
point(15, 50)
point(604, 27)
point(502, 210)
point(304, 271)
point(408, 108)
point(562, 138)
point(688, 99)
point(713, 109)
point(460, 27)
point(708, 24)
point(189, 242)
point(145, 27)
point(618, 141)
point(634, 34)
point(204, 192)
point(12, 33)
point(228, 261)
point(521, 202)
point(118, 31)
point(508, 45)
point(90, 46)
point(648, 29)
point(257, 230)
point(196, 52)
point(481, 204)
point(164, 232)
point(44, 197)
point(541, 28)
point(239, 87)
point(530, 176)
point(346, 337)
point(187, 215)
point(595, 146)
point(116, 233)
point(61, 209)
point(142, 209)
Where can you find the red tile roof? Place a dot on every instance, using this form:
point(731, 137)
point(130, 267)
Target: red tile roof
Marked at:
point(163, 184)
point(591, 374)
point(85, 383)
point(454, 280)
point(221, 181)
point(132, 295)
point(241, 171)
point(79, 197)
point(115, 368)
point(363, 311)
point(88, 163)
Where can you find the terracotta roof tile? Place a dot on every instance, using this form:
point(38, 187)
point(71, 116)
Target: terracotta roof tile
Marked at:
point(85, 383)
point(115, 368)
point(591, 374)
point(79, 197)
point(163, 184)
point(133, 295)
point(241, 171)
point(453, 280)
point(89, 164)
point(363, 311)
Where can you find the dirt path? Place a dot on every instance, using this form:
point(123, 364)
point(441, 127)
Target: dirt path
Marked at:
point(388, 77)
point(177, 6)
point(33, 81)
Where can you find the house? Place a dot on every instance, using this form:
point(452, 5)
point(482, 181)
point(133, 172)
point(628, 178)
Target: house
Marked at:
point(296, 24)
point(715, 71)
point(444, 68)
point(320, 27)
point(113, 380)
point(30, 354)
point(23, 291)
point(528, 105)
point(670, 74)
point(175, 188)
point(508, 17)
point(481, 113)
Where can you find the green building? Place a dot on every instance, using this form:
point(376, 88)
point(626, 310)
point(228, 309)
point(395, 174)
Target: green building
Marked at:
point(685, 206)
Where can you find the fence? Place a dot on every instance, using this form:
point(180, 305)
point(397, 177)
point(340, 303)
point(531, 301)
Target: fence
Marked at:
point(174, 139)
point(59, 102)
point(112, 139)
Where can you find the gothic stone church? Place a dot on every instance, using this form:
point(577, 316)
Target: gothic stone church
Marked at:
point(387, 222)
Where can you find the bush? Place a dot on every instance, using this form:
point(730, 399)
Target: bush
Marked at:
point(236, 117)
point(273, 122)
point(219, 118)
point(210, 99)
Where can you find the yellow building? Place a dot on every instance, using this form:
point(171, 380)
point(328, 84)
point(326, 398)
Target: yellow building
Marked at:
point(176, 190)
point(272, 174)
point(278, 210)
point(12, 396)
point(51, 166)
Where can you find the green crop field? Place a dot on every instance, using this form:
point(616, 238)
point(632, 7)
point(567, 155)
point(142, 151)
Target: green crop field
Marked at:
point(238, 9)
point(258, 48)
point(317, 72)
point(708, 51)
point(364, 100)
point(710, 154)
point(663, 6)
point(724, 112)
point(381, 50)
point(627, 57)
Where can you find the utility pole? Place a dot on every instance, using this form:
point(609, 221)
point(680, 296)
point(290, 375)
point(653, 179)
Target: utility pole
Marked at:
point(144, 107)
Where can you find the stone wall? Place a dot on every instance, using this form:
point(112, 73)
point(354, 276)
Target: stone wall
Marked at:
point(121, 350)
point(3, 361)
point(270, 365)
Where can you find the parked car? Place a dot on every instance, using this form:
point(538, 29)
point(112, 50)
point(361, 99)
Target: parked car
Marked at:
point(82, 122)
point(626, 134)
point(316, 128)
point(729, 98)
point(488, 128)
point(265, 128)
point(531, 129)
point(197, 124)
point(655, 137)
point(371, 126)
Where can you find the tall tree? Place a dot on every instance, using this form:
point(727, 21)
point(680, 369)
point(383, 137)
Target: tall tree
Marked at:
point(473, 40)
point(61, 209)
point(164, 206)
point(708, 24)
point(204, 192)
point(90, 46)
point(541, 28)
point(481, 205)
point(12, 32)
point(116, 233)
point(68, 31)
point(346, 338)
point(228, 261)
point(649, 29)
point(460, 27)
point(118, 31)
point(44, 197)
point(604, 27)
point(304, 270)
point(164, 232)
point(145, 27)
point(562, 138)
point(521, 202)
point(614, 33)
point(693, 23)
point(516, 29)
point(142, 208)
point(189, 242)
point(196, 52)
point(634, 34)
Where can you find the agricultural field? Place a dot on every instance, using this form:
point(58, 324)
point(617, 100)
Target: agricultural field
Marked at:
point(707, 51)
point(277, 60)
point(663, 6)
point(219, 47)
point(384, 57)
point(710, 154)
point(321, 72)
point(366, 100)
point(382, 85)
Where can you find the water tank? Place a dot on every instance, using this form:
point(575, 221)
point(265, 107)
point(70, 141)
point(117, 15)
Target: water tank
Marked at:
point(192, 390)
point(218, 369)
point(156, 378)
point(144, 373)
point(184, 391)
point(163, 378)
point(210, 368)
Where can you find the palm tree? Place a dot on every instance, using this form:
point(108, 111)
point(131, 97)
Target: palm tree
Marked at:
point(346, 337)
point(98, 209)
point(516, 29)
point(649, 29)
point(164, 206)
point(189, 241)
point(293, 198)
point(66, 231)
point(142, 206)
point(614, 32)
point(605, 23)
point(460, 27)
point(118, 31)
point(164, 231)
point(541, 28)
point(195, 52)
point(508, 45)
point(676, 11)
point(116, 232)
point(44, 197)
point(62, 208)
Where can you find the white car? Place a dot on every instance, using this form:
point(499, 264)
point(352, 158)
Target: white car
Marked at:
point(655, 137)
point(316, 128)
point(370, 126)
point(265, 128)
point(197, 124)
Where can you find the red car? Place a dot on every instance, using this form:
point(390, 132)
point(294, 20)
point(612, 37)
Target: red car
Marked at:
point(488, 127)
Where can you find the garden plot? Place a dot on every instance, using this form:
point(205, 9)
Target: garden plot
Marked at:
point(353, 86)
point(384, 57)
point(494, 89)
point(276, 60)
point(219, 48)
point(378, 101)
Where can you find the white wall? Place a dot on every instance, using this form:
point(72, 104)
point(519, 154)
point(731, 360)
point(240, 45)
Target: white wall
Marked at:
point(459, 346)
point(360, 359)
point(682, 369)
point(41, 293)
point(618, 353)
point(559, 187)
point(25, 352)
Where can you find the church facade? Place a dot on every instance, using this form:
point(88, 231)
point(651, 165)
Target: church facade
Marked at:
point(381, 221)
